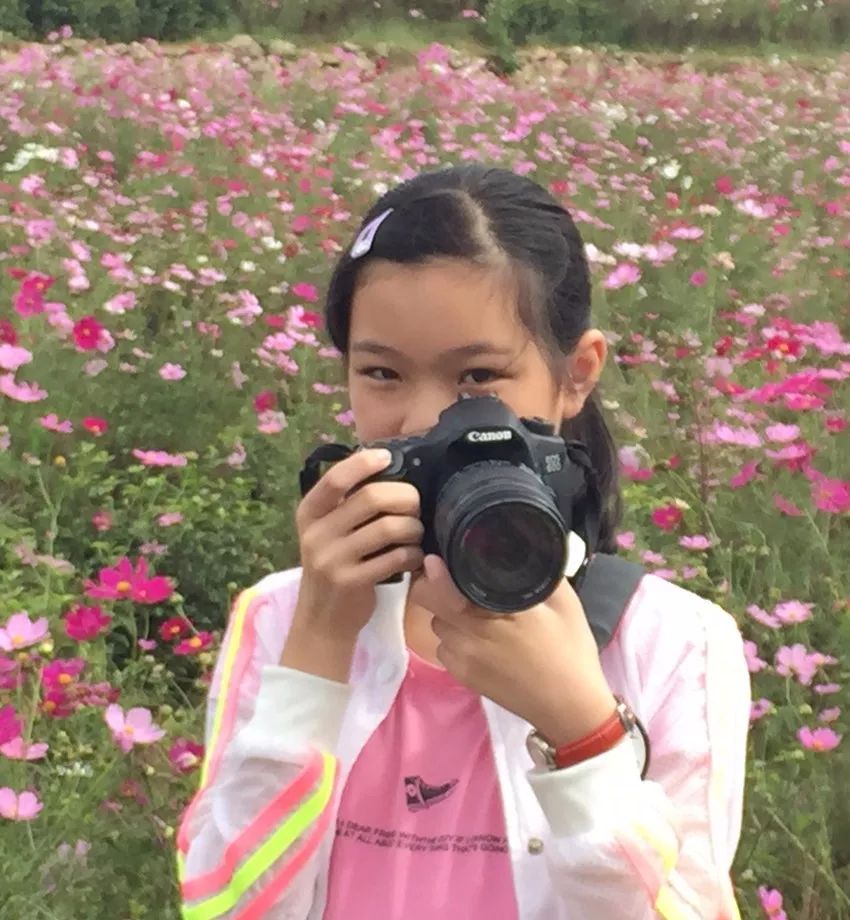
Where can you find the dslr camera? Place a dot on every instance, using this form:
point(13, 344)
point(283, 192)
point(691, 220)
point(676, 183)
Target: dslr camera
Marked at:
point(500, 496)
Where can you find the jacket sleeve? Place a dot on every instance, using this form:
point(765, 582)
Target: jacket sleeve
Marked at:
point(627, 849)
point(248, 842)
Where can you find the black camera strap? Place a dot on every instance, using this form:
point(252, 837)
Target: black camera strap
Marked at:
point(608, 586)
point(312, 469)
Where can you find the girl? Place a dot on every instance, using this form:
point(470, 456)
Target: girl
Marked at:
point(369, 746)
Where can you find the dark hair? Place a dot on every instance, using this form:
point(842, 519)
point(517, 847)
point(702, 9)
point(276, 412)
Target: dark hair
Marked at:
point(489, 215)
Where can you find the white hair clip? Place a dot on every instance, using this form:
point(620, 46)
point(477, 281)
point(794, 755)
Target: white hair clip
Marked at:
point(366, 237)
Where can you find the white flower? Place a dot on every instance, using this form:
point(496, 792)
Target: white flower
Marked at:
point(671, 169)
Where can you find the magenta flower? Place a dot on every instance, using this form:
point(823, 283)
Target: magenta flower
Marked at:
point(21, 632)
point(10, 725)
point(125, 582)
point(61, 673)
point(831, 495)
point(771, 902)
point(185, 755)
point(172, 372)
point(23, 807)
point(699, 278)
point(88, 333)
point(667, 517)
point(818, 739)
point(746, 474)
point(194, 644)
point(86, 623)
point(134, 727)
point(305, 291)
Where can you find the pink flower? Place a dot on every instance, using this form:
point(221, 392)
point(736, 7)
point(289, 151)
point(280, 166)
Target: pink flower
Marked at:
point(796, 661)
point(18, 749)
point(101, 521)
point(86, 623)
point(172, 372)
point(21, 632)
point(763, 617)
point(194, 644)
point(793, 612)
point(754, 663)
point(697, 542)
point(52, 423)
point(626, 540)
point(185, 755)
point(174, 628)
point(159, 458)
point(699, 278)
point(169, 519)
point(126, 582)
point(625, 273)
point(23, 807)
point(782, 434)
point(830, 715)
point(818, 739)
point(759, 709)
point(771, 902)
point(134, 727)
point(87, 333)
point(10, 725)
point(21, 392)
point(13, 356)
point(667, 517)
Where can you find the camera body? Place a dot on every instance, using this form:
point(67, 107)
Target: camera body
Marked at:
point(499, 496)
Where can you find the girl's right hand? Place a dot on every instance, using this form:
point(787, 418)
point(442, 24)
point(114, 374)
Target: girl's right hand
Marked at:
point(351, 539)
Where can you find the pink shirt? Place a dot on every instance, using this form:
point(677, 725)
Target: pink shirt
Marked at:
point(420, 831)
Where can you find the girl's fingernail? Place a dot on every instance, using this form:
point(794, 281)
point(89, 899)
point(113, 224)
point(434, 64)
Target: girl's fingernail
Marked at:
point(431, 566)
point(382, 456)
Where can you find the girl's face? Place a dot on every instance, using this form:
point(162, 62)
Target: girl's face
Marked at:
point(421, 335)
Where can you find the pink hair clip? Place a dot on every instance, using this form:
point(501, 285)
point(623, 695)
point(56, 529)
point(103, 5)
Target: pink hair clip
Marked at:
point(366, 237)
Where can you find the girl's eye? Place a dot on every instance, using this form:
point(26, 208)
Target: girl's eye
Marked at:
point(479, 375)
point(379, 373)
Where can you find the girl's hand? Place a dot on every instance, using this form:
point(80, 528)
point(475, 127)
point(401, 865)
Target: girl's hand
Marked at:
point(351, 539)
point(541, 664)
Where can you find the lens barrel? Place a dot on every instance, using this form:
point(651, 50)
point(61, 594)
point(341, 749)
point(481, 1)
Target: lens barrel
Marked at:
point(500, 532)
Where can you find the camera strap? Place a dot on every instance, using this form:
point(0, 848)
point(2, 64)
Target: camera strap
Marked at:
point(606, 590)
point(324, 453)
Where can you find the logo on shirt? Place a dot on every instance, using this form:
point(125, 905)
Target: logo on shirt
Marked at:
point(420, 795)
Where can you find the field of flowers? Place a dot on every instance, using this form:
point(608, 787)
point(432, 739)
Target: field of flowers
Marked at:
point(168, 218)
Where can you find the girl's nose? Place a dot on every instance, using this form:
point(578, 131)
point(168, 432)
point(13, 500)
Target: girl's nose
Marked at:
point(424, 411)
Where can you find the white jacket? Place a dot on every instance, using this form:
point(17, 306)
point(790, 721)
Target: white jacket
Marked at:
point(591, 842)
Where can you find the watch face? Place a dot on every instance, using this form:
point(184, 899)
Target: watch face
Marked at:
point(541, 753)
point(640, 743)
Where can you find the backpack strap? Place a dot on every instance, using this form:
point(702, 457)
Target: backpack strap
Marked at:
point(607, 587)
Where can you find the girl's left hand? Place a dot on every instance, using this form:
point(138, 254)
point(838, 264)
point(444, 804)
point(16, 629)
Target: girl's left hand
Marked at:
point(541, 664)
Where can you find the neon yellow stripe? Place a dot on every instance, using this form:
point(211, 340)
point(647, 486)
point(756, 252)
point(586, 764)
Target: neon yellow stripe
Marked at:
point(668, 852)
point(272, 850)
point(670, 907)
point(242, 605)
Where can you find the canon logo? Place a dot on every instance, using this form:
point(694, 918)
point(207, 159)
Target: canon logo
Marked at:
point(476, 436)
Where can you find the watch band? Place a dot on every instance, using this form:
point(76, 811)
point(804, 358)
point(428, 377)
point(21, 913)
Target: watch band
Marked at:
point(602, 739)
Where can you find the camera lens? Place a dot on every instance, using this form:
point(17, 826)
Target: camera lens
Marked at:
point(502, 536)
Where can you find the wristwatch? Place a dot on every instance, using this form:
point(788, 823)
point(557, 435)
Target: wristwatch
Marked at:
point(623, 722)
